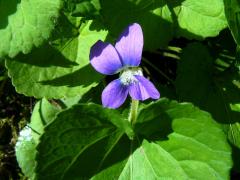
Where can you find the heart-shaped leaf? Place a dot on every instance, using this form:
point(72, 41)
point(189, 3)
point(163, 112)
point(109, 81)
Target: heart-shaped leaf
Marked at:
point(83, 143)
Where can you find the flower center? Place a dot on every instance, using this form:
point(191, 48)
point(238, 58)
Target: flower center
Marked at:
point(128, 76)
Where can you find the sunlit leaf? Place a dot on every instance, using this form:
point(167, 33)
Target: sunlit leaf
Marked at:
point(25, 24)
point(58, 71)
point(199, 18)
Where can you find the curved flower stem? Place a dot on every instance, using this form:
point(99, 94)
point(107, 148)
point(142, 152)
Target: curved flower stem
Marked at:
point(133, 111)
point(168, 54)
point(174, 48)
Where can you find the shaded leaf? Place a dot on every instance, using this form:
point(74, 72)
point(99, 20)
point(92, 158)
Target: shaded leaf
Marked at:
point(153, 16)
point(216, 94)
point(232, 11)
point(87, 126)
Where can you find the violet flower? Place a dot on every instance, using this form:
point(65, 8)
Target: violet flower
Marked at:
point(125, 58)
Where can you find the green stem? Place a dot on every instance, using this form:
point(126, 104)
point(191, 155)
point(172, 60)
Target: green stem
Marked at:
point(176, 49)
point(133, 111)
point(167, 54)
point(174, 56)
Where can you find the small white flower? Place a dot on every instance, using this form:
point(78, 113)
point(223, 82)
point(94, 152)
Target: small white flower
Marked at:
point(24, 135)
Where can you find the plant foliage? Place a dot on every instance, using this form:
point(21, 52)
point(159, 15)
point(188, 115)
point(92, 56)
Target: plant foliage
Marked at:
point(191, 54)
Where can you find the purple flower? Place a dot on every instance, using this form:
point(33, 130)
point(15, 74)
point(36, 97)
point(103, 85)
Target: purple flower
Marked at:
point(125, 58)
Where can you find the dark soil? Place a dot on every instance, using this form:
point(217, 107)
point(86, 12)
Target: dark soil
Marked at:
point(15, 111)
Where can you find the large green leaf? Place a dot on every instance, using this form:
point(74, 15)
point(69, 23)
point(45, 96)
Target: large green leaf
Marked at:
point(79, 128)
point(199, 18)
point(189, 135)
point(25, 24)
point(217, 94)
point(153, 16)
point(232, 11)
point(184, 142)
point(58, 71)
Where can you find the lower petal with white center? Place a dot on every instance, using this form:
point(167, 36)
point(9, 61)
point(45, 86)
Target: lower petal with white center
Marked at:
point(143, 89)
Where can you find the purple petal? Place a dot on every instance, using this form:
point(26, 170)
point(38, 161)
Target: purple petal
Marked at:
point(143, 89)
point(130, 45)
point(104, 58)
point(114, 94)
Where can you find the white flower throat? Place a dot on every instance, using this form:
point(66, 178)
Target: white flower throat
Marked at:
point(127, 76)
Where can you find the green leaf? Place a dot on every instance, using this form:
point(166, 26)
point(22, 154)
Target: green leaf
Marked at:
point(25, 24)
point(148, 161)
point(153, 16)
point(189, 135)
point(26, 151)
point(216, 94)
point(69, 102)
point(232, 11)
point(82, 143)
point(199, 18)
point(42, 114)
point(79, 128)
point(56, 71)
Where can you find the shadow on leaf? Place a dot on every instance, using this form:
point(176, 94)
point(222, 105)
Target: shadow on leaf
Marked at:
point(158, 27)
point(6, 9)
point(70, 79)
point(154, 122)
point(46, 56)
